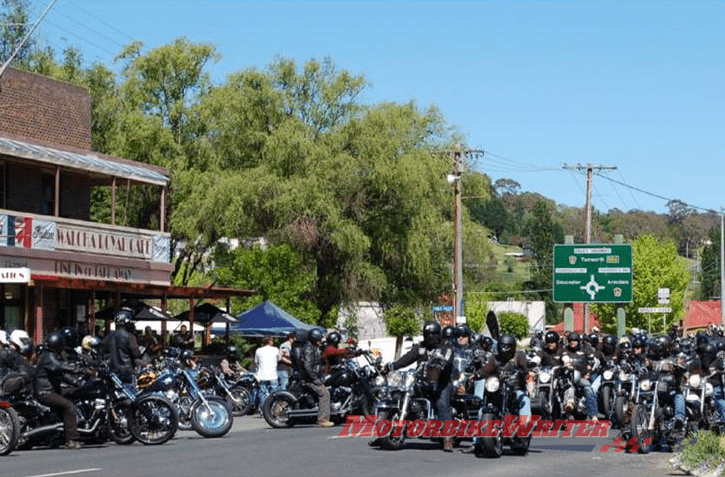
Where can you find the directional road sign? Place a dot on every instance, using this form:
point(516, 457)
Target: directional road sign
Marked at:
point(442, 308)
point(593, 273)
point(661, 309)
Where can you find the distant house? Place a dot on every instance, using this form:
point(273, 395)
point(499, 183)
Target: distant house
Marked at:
point(701, 314)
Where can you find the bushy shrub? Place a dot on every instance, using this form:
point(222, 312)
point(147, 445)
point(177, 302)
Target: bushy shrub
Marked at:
point(513, 324)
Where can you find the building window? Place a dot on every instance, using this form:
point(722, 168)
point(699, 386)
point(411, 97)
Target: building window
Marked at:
point(47, 205)
point(2, 185)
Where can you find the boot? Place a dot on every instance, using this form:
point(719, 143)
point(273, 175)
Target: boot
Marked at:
point(447, 444)
point(72, 445)
point(325, 423)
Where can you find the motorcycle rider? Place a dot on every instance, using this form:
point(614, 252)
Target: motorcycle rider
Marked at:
point(229, 363)
point(10, 359)
point(333, 355)
point(435, 355)
point(661, 360)
point(550, 354)
point(576, 358)
point(710, 362)
point(121, 348)
point(51, 371)
point(312, 375)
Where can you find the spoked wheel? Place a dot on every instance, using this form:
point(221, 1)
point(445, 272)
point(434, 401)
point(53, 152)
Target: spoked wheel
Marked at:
point(153, 420)
point(276, 410)
point(213, 418)
point(492, 445)
point(119, 429)
point(9, 430)
point(396, 439)
point(639, 429)
point(240, 400)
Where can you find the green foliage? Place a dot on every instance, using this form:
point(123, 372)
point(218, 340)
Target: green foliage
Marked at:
point(401, 321)
point(709, 448)
point(710, 272)
point(514, 324)
point(655, 266)
point(476, 310)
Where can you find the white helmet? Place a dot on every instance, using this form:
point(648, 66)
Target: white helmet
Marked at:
point(4, 338)
point(19, 338)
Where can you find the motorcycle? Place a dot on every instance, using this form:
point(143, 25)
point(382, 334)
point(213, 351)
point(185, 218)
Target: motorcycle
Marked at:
point(249, 382)
point(352, 390)
point(701, 410)
point(541, 385)
point(572, 400)
point(209, 416)
point(607, 389)
point(625, 390)
point(214, 382)
point(106, 408)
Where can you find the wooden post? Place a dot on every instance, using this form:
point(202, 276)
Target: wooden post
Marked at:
point(57, 192)
point(162, 211)
point(38, 331)
point(228, 337)
point(113, 202)
point(191, 316)
point(92, 314)
point(164, 307)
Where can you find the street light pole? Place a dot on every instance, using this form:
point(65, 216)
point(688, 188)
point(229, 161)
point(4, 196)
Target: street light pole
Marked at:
point(457, 244)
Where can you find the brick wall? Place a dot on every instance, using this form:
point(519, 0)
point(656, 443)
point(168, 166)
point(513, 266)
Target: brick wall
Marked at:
point(37, 107)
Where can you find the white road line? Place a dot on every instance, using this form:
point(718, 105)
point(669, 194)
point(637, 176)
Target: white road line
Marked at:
point(69, 472)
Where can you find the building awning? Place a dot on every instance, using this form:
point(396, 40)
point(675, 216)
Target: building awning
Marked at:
point(85, 162)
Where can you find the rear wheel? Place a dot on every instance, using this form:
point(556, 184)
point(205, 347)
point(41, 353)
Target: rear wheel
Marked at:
point(9, 430)
point(153, 420)
point(492, 446)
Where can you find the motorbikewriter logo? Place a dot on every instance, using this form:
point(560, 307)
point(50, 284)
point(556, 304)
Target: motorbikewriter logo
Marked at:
point(510, 426)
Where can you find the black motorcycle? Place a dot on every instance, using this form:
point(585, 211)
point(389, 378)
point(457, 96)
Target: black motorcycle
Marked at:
point(214, 382)
point(352, 391)
point(106, 407)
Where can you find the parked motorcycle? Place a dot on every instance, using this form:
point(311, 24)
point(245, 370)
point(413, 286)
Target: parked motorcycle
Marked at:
point(216, 383)
point(9, 427)
point(209, 416)
point(352, 391)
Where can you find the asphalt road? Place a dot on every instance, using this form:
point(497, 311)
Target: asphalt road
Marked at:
point(253, 449)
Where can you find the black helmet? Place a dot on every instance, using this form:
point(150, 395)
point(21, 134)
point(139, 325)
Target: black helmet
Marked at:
point(609, 344)
point(573, 336)
point(334, 338)
point(27, 350)
point(463, 330)
point(70, 336)
point(701, 341)
point(665, 345)
point(124, 319)
point(625, 346)
point(551, 337)
point(55, 341)
point(487, 343)
point(709, 353)
point(431, 334)
point(685, 346)
point(232, 352)
point(506, 347)
point(593, 339)
point(639, 342)
point(315, 335)
point(186, 355)
point(301, 335)
point(449, 333)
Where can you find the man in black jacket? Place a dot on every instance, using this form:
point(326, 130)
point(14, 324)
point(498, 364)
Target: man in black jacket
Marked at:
point(51, 371)
point(311, 373)
point(121, 347)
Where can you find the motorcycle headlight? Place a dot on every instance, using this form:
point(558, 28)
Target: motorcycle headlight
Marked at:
point(395, 379)
point(708, 389)
point(608, 374)
point(645, 385)
point(544, 378)
point(492, 384)
point(623, 376)
point(379, 380)
point(694, 381)
point(409, 380)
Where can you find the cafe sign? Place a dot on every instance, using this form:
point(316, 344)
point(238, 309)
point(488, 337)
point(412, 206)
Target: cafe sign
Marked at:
point(14, 275)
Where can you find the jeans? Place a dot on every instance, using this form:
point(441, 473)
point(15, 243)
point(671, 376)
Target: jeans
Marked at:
point(679, 401)
point(265, 389)
point(596, 383)
point(719, 397)
point(282, 379)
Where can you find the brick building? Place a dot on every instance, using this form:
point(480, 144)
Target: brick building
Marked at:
point(55, 264)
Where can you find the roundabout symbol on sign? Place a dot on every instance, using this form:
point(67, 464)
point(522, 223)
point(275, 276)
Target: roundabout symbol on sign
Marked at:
point(592, 287)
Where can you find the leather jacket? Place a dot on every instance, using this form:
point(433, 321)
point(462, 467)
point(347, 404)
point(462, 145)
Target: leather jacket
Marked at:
point(121, 349)
point(51, 371)
point(311, 365)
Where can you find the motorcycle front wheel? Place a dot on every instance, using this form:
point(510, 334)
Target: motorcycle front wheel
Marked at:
point(9, 430)
point(492, 445)
point(621, 408)
point(213, 418)
point(639, 429)
point(391, 441)
point(153, 420)
point(118, 424)
point(607, 394)
point(276, 410)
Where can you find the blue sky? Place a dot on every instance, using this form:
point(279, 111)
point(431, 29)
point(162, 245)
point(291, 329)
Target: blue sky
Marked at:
point(637, 85)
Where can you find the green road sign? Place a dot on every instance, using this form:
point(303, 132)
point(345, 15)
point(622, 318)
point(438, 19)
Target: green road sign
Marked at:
point(593, 273)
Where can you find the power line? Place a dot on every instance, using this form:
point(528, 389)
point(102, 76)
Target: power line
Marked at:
point(100, 20)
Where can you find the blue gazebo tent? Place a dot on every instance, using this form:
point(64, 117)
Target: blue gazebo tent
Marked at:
point(267, 319)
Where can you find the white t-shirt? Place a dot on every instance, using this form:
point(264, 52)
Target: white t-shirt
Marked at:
point(266, 358)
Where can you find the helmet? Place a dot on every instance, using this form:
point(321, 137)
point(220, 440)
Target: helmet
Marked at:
point(70, 335)
point(90, 342)
point(665, 345)
point(708, 355)
point(573, 337)
point(301, 335)
point(625, 346)
point(593, 339)
point(186, 355)
point(686, 346)
point(551, 337)
point(609, 344)
point(232, 352)
point(476, 337)
point(315, 335)
point(507, 347)
point(55, 341)
point(20, 339)
point(487, 343)
point(27, 349)
point(334, 338)
point(431, 334)
point(449, 333)
point(124, 318)
point(701, 341)
point(639, 342)
point(463, 330)
point(4, 338)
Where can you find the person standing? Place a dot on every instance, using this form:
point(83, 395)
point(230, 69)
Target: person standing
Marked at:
point(284, 367)
point(266, 357)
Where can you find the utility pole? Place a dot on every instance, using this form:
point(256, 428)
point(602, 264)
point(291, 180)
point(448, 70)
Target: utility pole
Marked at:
point(455, 179)
point(588, 226)
point(25, 38)
point(722, 268)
